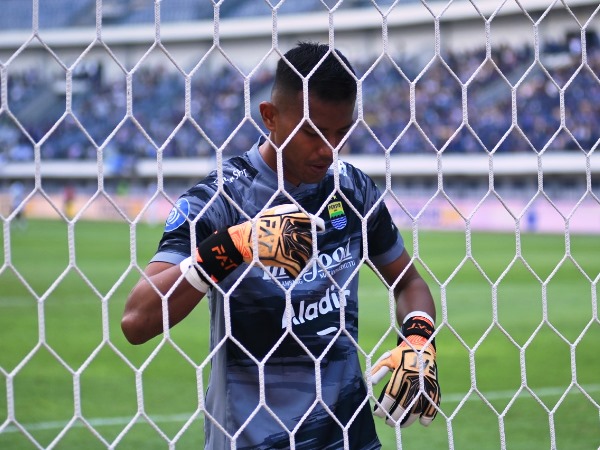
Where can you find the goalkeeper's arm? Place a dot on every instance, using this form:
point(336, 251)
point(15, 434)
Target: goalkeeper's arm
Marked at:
point(143, 316)
point(284, 239)
point(413, 390)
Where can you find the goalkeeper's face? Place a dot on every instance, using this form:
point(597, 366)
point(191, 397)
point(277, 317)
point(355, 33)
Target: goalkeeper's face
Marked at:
point(307, 145)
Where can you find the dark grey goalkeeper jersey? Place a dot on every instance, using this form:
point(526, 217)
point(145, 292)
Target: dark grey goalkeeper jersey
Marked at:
point(305, 354)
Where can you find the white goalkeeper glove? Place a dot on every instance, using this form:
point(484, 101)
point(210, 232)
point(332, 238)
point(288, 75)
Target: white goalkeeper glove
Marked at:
point(402, 398)
point(284, 240)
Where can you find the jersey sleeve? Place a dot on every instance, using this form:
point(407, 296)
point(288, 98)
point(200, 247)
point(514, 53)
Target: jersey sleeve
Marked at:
point(385, 243)
point(189, 212)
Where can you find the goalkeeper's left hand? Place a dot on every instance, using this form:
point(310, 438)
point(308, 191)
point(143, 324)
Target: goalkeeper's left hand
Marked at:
point(402, 396)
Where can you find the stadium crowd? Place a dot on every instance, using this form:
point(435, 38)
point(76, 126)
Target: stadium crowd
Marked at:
point(461, 104)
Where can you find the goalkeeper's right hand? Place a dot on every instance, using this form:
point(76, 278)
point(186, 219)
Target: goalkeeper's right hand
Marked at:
point(284, 240)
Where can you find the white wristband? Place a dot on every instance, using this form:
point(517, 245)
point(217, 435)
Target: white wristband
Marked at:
point(418, 313)
point(192, 275)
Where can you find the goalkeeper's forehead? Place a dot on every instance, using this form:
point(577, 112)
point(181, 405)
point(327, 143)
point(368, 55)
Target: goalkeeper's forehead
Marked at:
point(288, 100)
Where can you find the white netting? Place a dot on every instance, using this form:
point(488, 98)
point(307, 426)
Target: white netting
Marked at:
point(457, 122)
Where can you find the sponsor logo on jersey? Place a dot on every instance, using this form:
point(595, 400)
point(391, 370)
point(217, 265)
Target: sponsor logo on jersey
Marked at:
point(179, 213)
point(337, 214)
point(235, 175)
point(339, 259)
point(306, 312)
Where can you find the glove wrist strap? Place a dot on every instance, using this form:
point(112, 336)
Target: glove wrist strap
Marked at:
point(418, 313)
point(218, 255)
point(193, 275)
point(418, 323)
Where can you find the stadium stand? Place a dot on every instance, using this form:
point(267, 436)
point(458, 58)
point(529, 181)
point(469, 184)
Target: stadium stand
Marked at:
point(17, 14)
point(218, 108)
point(444, 117)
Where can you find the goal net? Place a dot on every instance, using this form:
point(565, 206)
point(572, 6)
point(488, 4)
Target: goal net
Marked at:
point(478, 121)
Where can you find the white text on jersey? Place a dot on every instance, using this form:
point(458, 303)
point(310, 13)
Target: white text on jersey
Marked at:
point(331, 262)
point(306, 312)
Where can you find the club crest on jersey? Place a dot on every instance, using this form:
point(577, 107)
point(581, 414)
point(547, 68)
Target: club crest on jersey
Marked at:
point(337, 214)
point(179, 213)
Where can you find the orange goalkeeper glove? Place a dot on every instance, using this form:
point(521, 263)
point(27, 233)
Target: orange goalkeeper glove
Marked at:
point(284, 240)
point(402, 397)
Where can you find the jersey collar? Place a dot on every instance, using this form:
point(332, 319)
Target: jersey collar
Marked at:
point(269, 175)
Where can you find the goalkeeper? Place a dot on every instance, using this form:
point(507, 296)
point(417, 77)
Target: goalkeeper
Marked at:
point(277, 260)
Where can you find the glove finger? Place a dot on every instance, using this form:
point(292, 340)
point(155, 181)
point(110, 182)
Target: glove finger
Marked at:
point(426, 420)
point(389, 409)
point(282, 209)
point(409, 406)
point(303, 221)
point(320, 223)
point(379, 369)
point(410, 416)
point(290, 208)
point(429, 406)
point(377, 373)
point(409, 419)
point(429, 413)
point(395, 412)
point(385, 403)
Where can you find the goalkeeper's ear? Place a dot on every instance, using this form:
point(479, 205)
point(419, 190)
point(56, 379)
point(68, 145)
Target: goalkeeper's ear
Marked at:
point(268, 112)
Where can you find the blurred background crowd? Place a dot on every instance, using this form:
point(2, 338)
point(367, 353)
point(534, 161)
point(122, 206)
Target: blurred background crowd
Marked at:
point(507, 101)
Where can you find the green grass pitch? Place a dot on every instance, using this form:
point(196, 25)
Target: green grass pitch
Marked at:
point(518, 342)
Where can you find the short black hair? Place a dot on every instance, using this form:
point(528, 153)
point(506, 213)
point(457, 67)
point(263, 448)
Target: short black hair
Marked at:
point(333, 80)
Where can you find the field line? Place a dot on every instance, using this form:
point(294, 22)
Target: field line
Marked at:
point(452, 398)
point(506, 395)
point(100, 422)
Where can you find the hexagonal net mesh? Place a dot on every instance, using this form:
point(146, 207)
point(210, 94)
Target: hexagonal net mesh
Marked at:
point(476, 121)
